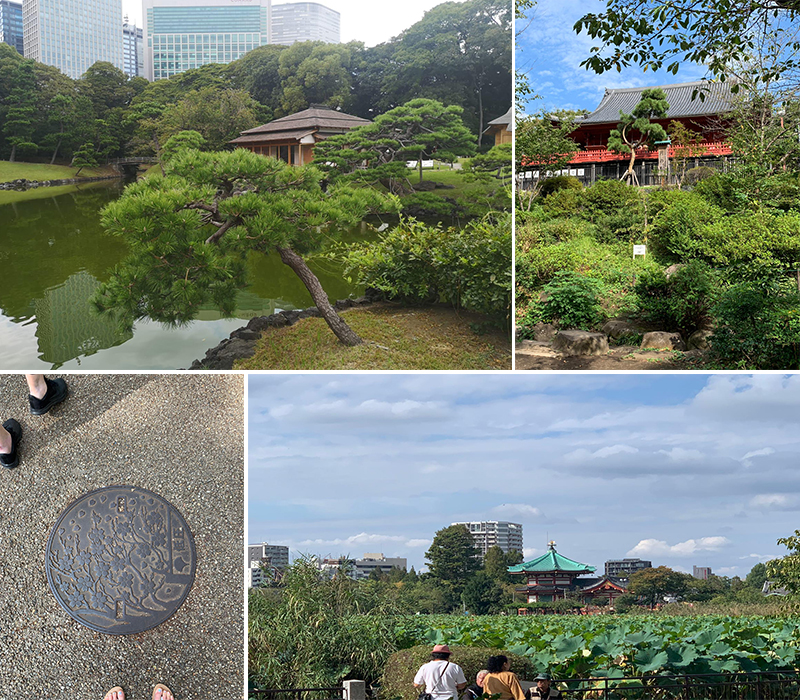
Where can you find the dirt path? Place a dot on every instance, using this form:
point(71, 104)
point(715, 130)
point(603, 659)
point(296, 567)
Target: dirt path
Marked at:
point(540, 356)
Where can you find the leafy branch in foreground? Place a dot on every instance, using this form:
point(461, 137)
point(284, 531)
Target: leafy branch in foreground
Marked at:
point(190, 232)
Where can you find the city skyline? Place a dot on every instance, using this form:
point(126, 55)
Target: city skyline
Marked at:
point(683, 471)
point(361, 20)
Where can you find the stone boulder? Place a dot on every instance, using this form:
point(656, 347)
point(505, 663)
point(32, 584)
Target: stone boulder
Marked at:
point(544, 332)
point(699, 340)
point(580, 343)
point(617, 327)
point(672, 269)
point(662, 340)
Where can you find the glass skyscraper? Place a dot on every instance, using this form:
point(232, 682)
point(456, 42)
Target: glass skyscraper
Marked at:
point(11, 24)
point(304, 21)
point(184, 34)
point(73, 34)
point(133, 44)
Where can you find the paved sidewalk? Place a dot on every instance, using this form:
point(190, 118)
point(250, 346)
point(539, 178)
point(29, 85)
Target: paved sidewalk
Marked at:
point(181, 436)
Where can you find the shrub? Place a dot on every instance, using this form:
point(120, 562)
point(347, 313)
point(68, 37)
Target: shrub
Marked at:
point(402, 666)
point(659, 199)
point(607, 197)
point(722, 190)
point(429, 204)
point(558, 183)
point(676, 229)
point(562, 203)
point(698, 174)
point(572, 301)
point(758, 326)
point(416, 263)
point(757, 244)
point(681, 302)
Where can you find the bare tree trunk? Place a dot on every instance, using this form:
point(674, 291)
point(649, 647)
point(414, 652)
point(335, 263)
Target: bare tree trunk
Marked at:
point(55, 152)
point(13, 153)
point(336, 323)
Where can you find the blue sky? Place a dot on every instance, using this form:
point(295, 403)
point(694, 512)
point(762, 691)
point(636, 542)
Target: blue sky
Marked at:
point(683, 470)
point(549, 52)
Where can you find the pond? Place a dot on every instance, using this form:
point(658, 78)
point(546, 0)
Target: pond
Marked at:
point(54, 255)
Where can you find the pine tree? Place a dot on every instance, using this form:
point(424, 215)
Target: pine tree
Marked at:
point(190, 231)
point(636, 130)
point(20, 113)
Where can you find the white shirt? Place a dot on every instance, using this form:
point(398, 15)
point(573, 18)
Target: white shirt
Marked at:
point(440, 678)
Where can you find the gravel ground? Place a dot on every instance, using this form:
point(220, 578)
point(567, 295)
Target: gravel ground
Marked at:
point(181, 436)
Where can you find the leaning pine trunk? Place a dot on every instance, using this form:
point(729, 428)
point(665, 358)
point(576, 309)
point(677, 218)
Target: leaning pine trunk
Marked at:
point(336, 323)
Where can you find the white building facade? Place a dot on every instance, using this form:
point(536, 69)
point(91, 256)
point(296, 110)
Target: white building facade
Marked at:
point(304, 21)
point(73, 34)
point(491, 533)
point(183, 34)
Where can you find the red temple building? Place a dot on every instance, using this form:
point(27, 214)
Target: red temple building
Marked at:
point(552, 576)
point(705, 114)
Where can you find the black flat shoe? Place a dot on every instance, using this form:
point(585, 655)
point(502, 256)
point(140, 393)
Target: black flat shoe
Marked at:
point(11, 460)
point(56, 393)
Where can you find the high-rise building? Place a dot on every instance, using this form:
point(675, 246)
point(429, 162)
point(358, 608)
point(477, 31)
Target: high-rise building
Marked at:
point(184, 34)
point(133, 49)
point(373, 561)
point(623, 568)
point(304, 21)
point(11, 24)
point(701, 572)
point(488, 533)
point(73, 34)
point(275, 555)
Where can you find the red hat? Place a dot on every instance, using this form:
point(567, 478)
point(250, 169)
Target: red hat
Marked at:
point(442, 648)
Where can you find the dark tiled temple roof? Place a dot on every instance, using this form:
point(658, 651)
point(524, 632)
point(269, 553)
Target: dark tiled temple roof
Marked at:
point(504, 120)
point(718, 100)
point(315, 118)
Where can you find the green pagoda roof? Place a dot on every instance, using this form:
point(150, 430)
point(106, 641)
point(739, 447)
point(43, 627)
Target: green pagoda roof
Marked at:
point(551, 561)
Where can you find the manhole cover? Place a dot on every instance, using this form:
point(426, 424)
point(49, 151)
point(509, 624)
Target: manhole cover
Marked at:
point(120, 560)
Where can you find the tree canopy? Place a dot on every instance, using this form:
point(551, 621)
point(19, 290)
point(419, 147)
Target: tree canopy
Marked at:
point(452, 557)
point(785, 572)
point(652, 33)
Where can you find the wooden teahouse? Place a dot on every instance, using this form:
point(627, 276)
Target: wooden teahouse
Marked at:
point(292, 139)
point(502, 128)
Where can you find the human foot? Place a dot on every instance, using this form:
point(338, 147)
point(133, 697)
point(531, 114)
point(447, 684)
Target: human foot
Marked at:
point(10, 459)
point(161, 692)
point(116, 693)
point(56, 393)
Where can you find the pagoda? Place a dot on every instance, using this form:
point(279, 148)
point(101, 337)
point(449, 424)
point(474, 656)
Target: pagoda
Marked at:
point(550, 576)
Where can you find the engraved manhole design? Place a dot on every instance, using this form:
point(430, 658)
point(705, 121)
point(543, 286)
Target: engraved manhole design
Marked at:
point(120, 560)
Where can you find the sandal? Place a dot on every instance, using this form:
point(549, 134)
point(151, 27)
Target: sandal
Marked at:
point(163, 689)
point(115, 689)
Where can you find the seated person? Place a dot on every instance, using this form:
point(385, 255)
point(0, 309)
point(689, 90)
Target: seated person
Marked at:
point(501, 681)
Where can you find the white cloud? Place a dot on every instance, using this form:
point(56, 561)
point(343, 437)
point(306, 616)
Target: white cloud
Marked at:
point(517, 510)
point(653, 547)
point(774, 501)
point(602, 453)
point(679, 454)
point(531, 552)
point(747, 461)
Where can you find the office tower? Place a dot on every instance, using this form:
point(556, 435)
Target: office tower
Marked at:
point(304, 21)
point(701, 572)
point(623, 568)
point(73, 34)
point(11, 24)
point(184, 34)
point(376, 560)
point(273, 554)
point(133, 49)
point(488, 533)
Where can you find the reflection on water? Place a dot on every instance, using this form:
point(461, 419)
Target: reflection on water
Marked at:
point(54, 254)
point(67, 327)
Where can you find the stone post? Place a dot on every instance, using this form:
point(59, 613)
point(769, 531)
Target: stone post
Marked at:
point(355, 690)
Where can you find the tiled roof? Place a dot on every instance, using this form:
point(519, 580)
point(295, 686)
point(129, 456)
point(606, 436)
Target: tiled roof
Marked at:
point(718, 100)
point(551, 561)
point(294, 135)
point(313, 118)
point(589, 583)
point(505, 120)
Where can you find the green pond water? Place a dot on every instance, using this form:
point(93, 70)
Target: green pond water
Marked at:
point(54, 254)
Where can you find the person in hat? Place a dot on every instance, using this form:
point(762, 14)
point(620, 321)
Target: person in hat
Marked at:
point(441, 678)
point(501, 681)
point(543, 689)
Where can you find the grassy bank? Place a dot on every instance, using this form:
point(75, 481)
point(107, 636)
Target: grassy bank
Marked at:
point(42, 171)
point(397, 338)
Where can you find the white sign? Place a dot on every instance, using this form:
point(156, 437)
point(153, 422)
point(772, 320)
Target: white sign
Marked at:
point(639, 250)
